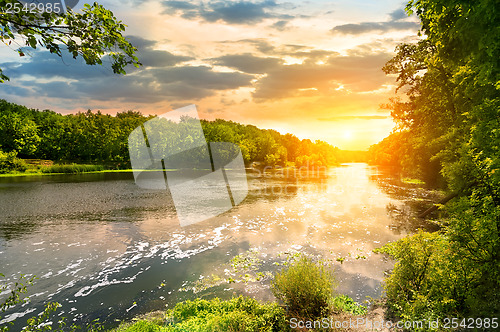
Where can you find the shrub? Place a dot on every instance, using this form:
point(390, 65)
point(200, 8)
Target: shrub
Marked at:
point(427, 281)
point(241, 314)
point(238, 314)
point(305, 287)
point(9, 163)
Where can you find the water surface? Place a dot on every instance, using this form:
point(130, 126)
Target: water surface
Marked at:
point(105, 248)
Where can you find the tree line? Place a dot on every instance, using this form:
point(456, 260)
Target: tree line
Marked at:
point(448, 133)
point(94, 137)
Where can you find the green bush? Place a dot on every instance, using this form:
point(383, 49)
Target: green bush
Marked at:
point(10, 163)
point(305, 287)
point(237, 314)
point(427, 280)
point(346, 304)
point(73, 168)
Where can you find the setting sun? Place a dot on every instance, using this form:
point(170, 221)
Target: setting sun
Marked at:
point(347, 134)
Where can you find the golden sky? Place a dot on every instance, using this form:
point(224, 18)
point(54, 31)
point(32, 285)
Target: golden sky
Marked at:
point(311, 68)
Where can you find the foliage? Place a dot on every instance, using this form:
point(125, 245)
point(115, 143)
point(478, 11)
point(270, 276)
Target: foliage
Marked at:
point(243, 268)
point(447, 129)
point(345, 304)
point(305, 287)
point(246, 266)
point(40, 322)
point(240, 314)
point(142, 326)
point(18, 133)
point(96, 137)
point(237, 314)
point(20, 287)
point(34, 324)
point(422, 282)
point(74, 168)
point(43, 321)
point(94, 34)
point(314, 283)
point(390, 152)
point(433, 279)
point(10, 163)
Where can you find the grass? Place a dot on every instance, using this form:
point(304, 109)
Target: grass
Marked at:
point(412, 181)
point(39, 173)
point(346, 304)
point(238, 314)
point(71, 169)
point(305, 287)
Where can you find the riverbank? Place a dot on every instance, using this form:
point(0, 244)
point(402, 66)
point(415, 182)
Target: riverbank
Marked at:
point(243, 312)
point(260, 170)
point(238, 314)
point(40, 173)
point(305, 300)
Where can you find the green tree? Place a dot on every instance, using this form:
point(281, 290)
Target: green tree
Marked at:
point(450, 116)
point(100, 138)
point(93, 34)
point(18, 134)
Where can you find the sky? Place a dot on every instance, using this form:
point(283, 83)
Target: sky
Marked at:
point(310, 68)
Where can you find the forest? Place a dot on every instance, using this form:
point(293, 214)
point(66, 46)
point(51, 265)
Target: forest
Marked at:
point(97, 138)
point(448, 134)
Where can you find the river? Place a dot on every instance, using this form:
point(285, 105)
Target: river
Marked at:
point(104, 248)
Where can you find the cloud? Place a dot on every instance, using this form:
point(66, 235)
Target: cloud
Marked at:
point(231, 12)
point(150, 57)
point(44, 64)
point(261, 44)
point(14, 90)
point(179, 5)
point(398, 14)
point(354, 117)
point(280, 25)
point(355, 73)
point(202, 77)
point(156, 58)
point(366, 27)
point(162, 76)
point(148, 86)
point(395, 23)
point(140, 43)
point(247, 63)
point(312, 55)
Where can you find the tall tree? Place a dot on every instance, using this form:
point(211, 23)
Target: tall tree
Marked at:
point(451, 117)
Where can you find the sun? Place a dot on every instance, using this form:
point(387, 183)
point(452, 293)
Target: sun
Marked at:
point(347, 134)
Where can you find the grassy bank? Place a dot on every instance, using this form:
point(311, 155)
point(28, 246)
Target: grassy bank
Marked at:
point(237, 314)
point(305, 294)
point(10, 165)
point(39, 173)
point(304, 290)
point(71, 169)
